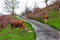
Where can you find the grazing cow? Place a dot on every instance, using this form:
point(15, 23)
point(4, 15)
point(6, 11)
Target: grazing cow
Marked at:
point(4, 20)
point(17, 23)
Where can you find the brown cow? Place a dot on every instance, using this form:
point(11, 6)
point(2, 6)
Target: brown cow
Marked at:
point(4, 20)
point(46, 18)
point(17, 23)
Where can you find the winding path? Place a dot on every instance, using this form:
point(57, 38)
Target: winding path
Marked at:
point(43, 31)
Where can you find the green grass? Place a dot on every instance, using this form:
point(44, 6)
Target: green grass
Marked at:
point(18, 33)
point(54, 19)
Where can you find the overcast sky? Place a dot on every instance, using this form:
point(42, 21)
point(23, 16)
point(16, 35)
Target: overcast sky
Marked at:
point(22, 4)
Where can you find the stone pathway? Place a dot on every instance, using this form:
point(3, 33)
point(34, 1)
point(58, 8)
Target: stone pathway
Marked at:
point(43, 31)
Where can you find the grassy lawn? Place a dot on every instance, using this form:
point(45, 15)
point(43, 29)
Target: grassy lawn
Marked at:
point(54, 19)
point(18, 33)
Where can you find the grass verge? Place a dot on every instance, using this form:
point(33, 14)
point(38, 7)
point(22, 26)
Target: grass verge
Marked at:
point(18, 33)
point(54, 19)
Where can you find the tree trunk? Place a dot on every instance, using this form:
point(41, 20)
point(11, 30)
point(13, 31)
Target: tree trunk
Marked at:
point(12, 10)
point(46, 4)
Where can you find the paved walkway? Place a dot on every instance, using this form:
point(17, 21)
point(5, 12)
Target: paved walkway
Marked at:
point(43, 31)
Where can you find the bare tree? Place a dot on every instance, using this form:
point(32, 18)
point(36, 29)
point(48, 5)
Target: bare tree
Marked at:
point(36, 5)
point(46, 2)
point(27, 10)
point(11, 5)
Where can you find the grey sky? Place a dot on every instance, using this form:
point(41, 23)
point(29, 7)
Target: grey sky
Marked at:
point(22, 4)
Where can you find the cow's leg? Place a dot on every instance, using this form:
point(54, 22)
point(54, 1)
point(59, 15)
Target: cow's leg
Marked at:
point(2, 26)
point(12, 27)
